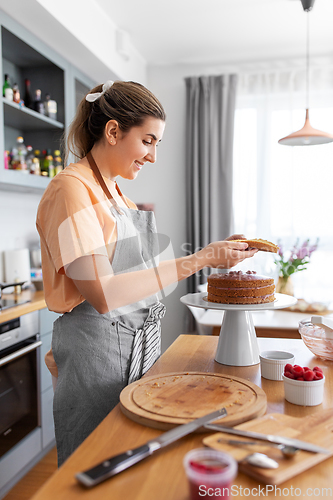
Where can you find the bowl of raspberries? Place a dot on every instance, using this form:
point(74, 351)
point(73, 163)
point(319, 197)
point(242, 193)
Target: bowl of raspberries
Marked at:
point(303, 385)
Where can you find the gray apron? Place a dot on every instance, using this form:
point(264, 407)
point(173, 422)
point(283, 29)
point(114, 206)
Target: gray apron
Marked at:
point(97, 355)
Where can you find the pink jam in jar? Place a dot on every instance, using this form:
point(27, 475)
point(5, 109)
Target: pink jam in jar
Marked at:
point(210, 473)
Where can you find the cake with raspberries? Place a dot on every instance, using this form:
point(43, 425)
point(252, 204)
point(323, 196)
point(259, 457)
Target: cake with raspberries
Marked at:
point(237, 287)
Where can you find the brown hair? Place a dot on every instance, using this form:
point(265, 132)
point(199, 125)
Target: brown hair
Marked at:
point(129, 103)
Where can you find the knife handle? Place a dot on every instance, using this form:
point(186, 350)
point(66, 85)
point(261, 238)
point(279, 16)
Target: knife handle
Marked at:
point(112, 466)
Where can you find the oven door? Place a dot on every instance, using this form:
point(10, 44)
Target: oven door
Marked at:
point(19, 407)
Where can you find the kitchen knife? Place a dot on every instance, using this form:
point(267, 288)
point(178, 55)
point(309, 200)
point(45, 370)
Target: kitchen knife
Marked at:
point(118, 463)
point(271, 438)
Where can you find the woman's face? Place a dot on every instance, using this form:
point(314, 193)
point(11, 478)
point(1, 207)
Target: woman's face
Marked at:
point(135, 147)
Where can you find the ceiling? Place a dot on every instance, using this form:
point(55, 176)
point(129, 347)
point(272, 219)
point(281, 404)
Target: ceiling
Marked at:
point(222, 31)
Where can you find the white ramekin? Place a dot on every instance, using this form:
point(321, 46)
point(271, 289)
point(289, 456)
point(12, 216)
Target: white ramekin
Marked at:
point(272, 363)
point(304, 393)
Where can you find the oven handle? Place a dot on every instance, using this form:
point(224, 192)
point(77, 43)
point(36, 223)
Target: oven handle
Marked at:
point(20, 353)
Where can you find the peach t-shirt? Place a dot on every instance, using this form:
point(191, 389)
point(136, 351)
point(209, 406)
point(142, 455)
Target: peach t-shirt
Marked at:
point(73, 220)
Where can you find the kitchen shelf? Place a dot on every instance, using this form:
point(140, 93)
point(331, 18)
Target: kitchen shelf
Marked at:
point(24, 56)
point(24, 118)
point(14, 180)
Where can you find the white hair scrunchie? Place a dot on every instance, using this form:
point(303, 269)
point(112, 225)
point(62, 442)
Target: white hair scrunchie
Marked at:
point(97, 95)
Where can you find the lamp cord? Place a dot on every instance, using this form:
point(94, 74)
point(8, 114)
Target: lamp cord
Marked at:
point(307, 60)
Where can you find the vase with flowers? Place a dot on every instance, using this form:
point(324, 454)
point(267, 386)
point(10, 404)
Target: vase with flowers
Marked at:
point(292, 261)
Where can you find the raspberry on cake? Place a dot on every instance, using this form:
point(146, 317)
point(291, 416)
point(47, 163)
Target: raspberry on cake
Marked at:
point(237, 287)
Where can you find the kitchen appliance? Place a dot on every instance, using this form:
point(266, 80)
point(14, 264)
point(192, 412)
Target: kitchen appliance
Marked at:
point(19, 379)
point(13, 299)
point(118, 463)
point(17, 265)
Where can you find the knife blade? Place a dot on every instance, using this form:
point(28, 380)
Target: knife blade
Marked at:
point(271, 438)
point(118, 463)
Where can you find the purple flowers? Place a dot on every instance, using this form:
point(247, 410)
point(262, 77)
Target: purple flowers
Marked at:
point(295, 259)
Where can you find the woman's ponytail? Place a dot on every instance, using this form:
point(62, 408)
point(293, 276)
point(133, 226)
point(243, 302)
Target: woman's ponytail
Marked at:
point(128, 103)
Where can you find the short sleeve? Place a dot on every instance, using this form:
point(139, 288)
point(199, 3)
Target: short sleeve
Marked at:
point(71, 223)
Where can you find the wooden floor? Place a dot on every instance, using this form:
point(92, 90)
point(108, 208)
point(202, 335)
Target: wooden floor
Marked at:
point(35, 478)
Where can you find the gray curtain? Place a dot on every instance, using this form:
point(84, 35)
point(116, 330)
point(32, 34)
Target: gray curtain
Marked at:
point(210, 110)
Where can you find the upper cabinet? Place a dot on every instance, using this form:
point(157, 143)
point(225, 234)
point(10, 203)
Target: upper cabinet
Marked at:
point(23, 56)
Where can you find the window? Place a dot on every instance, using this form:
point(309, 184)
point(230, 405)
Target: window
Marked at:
point(284, 193)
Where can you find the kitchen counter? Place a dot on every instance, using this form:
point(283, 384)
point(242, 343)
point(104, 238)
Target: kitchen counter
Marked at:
point(162, 476)
point(36, 303)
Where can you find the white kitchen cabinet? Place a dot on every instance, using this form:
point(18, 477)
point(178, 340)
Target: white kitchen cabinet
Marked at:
point(22, 457)
point(47, 417)
point(46, 320)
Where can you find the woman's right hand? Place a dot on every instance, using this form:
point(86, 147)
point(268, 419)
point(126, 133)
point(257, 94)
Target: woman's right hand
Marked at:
point(224, 254)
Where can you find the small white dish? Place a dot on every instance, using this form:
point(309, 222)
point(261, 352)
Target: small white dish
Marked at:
point(304, 393)
point(272, 363)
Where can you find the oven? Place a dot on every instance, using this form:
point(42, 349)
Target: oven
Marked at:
point(19, 379)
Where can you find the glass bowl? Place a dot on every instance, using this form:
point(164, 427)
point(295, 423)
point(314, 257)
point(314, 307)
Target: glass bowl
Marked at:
point(316, 339)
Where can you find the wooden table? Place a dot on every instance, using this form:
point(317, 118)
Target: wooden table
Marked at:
point(162, 476)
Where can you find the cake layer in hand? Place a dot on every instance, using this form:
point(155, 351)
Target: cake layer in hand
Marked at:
point(260, 244)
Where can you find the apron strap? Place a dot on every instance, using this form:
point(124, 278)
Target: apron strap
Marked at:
point(102, 183)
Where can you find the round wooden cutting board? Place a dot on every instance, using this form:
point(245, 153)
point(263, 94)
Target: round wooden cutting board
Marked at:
point(164, 401)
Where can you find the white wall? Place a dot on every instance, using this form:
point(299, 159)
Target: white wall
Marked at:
point(17, 222)
point(80, 33)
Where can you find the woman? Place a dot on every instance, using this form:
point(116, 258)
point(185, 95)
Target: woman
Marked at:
point(98, 258)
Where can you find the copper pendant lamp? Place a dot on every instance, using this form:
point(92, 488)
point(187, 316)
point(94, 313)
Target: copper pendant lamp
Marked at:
point(307, 136)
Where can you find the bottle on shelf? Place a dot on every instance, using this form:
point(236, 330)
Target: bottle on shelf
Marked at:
point(49, 162)
point(6, 159)
point(35, 166)
point(47, 168)
point(28, 102)
point(57, 162)
point(50, 107)
point(44, 169)
point(37, 162)
point(22, 155)
point(7, 90)
point(29, 158)
point(38, 104)
point(14, 159)
point(16, 93)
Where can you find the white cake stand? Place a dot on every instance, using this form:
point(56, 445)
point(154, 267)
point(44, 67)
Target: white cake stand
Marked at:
point(238, 345)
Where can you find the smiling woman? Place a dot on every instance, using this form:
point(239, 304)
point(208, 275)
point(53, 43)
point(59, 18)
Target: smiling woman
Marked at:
point(99, 259)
